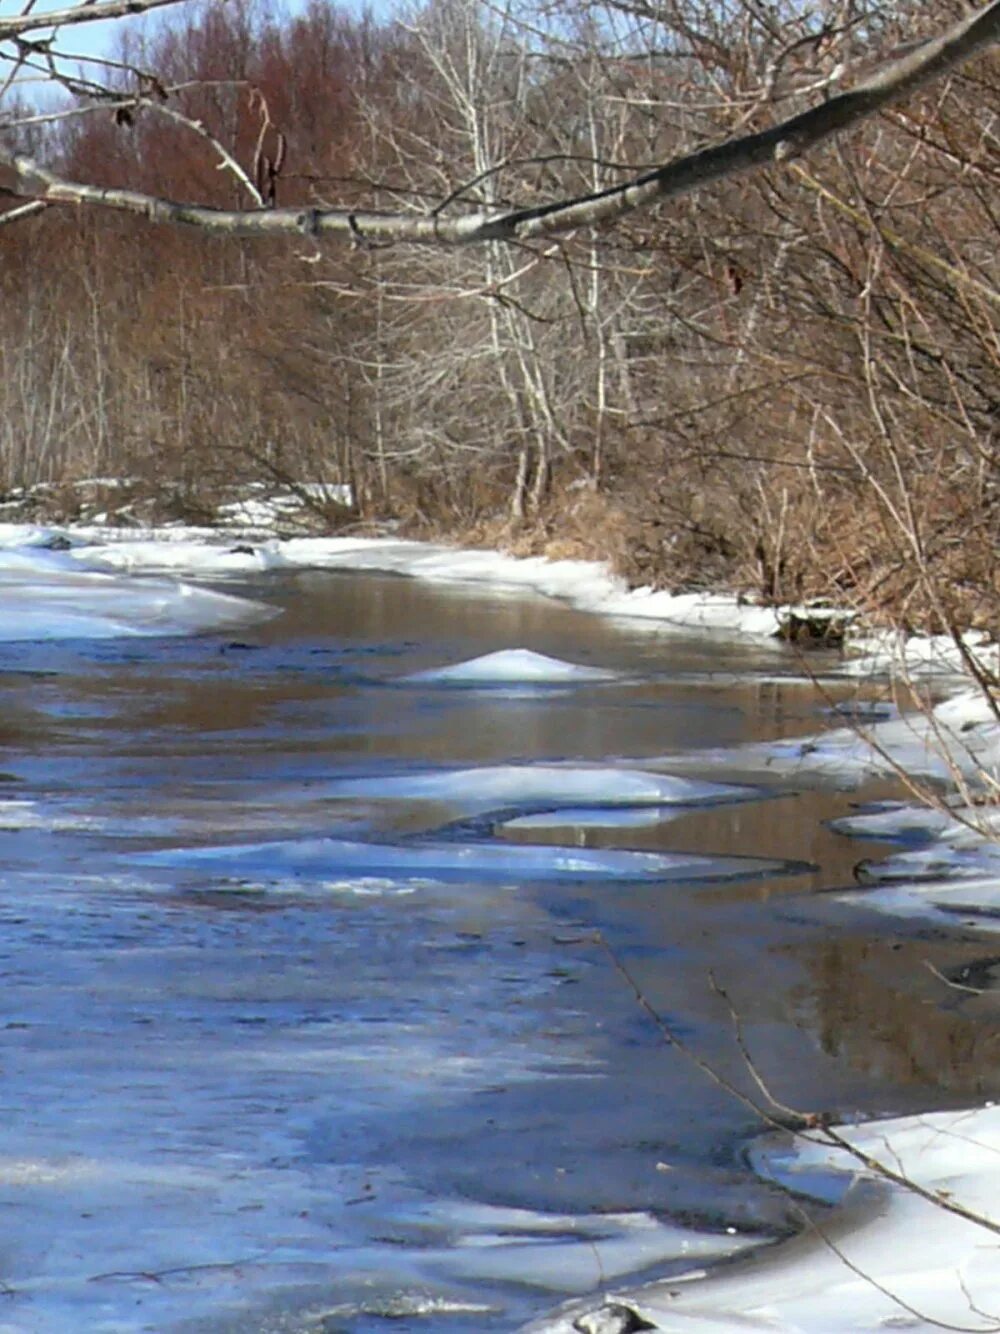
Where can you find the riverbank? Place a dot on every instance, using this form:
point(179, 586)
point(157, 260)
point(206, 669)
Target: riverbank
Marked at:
point(250, 539)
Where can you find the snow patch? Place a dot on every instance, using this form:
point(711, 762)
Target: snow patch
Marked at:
point(260, 508)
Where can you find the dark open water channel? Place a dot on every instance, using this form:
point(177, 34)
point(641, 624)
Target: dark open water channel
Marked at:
point(240, 1096)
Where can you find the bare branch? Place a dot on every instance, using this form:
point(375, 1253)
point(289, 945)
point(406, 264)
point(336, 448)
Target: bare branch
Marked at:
point(894, 1297)
point(83, 13)
point(781, 143)
point(22, 211)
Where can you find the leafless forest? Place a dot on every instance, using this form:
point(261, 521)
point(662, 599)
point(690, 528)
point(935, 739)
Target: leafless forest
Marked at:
point(785, 382)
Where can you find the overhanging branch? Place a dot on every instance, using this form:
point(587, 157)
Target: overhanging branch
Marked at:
point(782, 142)
point(87, 12)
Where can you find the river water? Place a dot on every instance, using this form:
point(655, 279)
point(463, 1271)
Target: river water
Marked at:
point(257, 1080)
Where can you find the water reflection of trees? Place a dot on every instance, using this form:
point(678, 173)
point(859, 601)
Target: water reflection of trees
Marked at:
point(875, 1005)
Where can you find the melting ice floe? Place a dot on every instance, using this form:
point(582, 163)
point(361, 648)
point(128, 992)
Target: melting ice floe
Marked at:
point(953, 872)
point(505, 785)
point(515, 666)
point(969, 902)
point(324, 860)
point(44, 595)
point(908, 1263)
point(567, 1253)
point(16, 814)
point(897, 821)
point(959, 737)
point(958, 841)
point(595, 817)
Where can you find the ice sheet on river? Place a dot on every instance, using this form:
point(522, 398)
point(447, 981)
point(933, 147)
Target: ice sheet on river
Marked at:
point(182, 1098)
point(958, 841)
point(905, 1262)
point(511, 785)
point(595, 817)
point(958, 737)
point(44, 595)
point(130, 1237)
point(950, 871)
point(328, 861)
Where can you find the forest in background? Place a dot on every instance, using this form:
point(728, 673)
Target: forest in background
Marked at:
point(785, 383)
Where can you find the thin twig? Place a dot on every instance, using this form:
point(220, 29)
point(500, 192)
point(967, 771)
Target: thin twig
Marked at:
point(887, 1292)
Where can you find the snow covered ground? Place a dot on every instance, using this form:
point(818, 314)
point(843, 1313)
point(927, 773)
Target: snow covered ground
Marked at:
point(903, 1261)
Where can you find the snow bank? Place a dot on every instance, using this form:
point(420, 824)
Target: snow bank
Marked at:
point(245, 546)
point(921, 656)
point(208, 553)
point(195, 560)
point(908, 1264)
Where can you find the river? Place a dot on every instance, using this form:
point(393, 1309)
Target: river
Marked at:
point(284, 1049)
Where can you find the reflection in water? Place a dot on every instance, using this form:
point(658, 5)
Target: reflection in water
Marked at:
point(885, 1007)
point(310, 1082)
